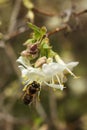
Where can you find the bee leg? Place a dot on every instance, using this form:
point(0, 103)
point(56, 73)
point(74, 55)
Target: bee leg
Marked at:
point(39, 93)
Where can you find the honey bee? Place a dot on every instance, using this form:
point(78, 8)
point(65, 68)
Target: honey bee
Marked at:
point(30, 92)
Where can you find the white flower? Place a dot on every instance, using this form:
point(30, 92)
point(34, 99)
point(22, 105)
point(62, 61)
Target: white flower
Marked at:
point(51, 73)
point(68, 67)
point(55, 73)
point(52, 68)
point(32, 74)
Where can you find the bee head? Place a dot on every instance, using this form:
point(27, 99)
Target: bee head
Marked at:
point(35, 84)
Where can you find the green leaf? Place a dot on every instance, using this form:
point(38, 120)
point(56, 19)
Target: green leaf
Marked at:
point(44, 53)
point(34, 27)
point(38, 32)
point(51, 53)
point(36, 36)
point(46, 46)
point(29, 41)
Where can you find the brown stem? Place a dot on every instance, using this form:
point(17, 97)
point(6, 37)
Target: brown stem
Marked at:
point(53, 110)
point(63, 28)
point(8, 125)
point(43, 13)
point(14, 16)
point(12, 119)
point(15, 33)
point(18, 32)
point(81, 12)
point(42, 112)
point(55, 31)
point(8, 49)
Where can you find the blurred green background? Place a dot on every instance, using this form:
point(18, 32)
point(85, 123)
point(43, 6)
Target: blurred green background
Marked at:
point(57, 110)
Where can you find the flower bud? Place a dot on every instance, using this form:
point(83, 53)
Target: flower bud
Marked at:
point(40, 61)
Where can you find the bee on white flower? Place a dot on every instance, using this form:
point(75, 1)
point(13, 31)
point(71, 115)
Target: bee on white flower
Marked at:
point(40, 65)
point(50, 73)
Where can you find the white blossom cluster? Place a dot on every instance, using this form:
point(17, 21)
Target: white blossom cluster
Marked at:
point(50, 73)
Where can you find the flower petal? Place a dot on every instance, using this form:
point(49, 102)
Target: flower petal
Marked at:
point(71, 65)
point(24, 72)
point(36, 74)
point(24, 61)
point(52, 68)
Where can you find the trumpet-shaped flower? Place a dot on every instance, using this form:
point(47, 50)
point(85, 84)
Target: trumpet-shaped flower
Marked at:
point(68, 67)
point(55, 73)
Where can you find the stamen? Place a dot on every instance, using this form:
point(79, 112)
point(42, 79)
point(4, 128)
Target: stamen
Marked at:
point(58, 79)
point(52, 80)
point(40, 82)
point(24, 88)
point(71, 73)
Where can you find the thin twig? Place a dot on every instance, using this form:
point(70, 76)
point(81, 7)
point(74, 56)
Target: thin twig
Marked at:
point(12, 119)
point(53, 110)
point(11, 55)
point(80, 13)
point(14, 16)
point(15, 33)
point(55, 31)
point(43, 13)
point(42, 112)
point(8, 49)
point(18, 32)
point(65, 27)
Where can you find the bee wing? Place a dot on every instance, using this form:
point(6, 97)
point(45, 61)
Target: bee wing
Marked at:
point(34, 100)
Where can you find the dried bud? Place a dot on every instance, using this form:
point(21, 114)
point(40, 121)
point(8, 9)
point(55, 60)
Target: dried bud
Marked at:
point(33, 49)
point(40, 61)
